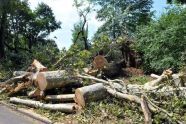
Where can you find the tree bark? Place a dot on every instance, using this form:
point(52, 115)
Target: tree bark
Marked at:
point(54, 79)
point(68, 108)
point(61, 98)
point(2, 33)
point(90, 93)
point(19, 73)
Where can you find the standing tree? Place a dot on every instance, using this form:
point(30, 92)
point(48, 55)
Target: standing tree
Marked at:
point(23, 31)
point(122, 16)
point(79, 36)
point(4, 9)
point(83, 9)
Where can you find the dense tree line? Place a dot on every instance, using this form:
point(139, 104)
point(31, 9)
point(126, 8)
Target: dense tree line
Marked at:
point(23, 31)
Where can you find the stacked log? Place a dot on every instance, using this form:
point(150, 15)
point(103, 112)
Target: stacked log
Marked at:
point(69, 108)
point(90, 93)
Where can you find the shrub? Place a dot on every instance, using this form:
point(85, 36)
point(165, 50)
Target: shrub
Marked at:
point(163, 42)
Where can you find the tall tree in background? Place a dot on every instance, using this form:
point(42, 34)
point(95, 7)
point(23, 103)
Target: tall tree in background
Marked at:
point(4, 9)
point(83, 9)
point(79, 35)
point(23, 33)
point(122, 16)
point(21, 28)
point(43, 24)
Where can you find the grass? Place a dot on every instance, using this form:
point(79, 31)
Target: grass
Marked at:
point(139, 79)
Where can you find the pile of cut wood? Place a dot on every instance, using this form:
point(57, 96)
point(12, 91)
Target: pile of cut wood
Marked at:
point(38, 79)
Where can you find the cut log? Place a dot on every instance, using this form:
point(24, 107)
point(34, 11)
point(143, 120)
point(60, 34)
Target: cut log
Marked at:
point(54, 79)
point(19, 73)
point(15, 79)
point(146, 111)
point(90, 93)
point(68, 108)
point(61, 98)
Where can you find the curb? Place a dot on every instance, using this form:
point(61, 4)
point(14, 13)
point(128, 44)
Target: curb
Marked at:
point(27, 113)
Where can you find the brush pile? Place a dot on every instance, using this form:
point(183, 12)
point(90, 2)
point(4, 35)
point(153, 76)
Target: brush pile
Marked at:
point(37, 80)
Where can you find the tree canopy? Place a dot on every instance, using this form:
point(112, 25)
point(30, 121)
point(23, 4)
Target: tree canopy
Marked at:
point(163, 42)
point(122, 16)
point(23, 31)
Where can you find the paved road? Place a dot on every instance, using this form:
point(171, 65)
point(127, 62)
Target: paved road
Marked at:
point(9, 116)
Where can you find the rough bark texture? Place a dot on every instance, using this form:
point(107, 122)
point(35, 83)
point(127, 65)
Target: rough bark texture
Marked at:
point(90, 93)
point(19, 73)
point(69, 108)
point(61, 98)
point(54, 79)
point(131, 98)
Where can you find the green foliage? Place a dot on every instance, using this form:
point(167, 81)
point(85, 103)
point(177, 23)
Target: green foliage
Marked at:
point(122, 16)
point(102, 43)
point(75, 57)
point(163, 42)
point(176, 1)
point(80, 32)
point(139, 80)
point(25, 34)
point(78, 35)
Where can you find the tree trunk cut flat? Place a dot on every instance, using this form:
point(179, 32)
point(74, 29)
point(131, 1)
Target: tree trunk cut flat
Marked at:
point(54, 79)
point(90, 93)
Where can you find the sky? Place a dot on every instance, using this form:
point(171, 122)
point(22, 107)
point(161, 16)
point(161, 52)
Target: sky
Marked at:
point(65, 12)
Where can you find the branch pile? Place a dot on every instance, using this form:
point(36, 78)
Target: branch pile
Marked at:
point(41, 80)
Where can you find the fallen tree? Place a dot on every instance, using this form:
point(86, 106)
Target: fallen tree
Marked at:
point(163, 85)
point(54, 79)
point(167, 84)
point(61, 98)
point(89, 93)
point(69, 108)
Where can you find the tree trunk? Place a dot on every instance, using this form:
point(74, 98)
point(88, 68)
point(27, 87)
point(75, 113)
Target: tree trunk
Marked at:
point(54, 79)
point(68, 108)
point(61, 98)
point(2, 33)
point(90, 93)
point(19, 73)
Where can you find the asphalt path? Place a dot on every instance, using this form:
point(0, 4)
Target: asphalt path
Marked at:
point(9, 116)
